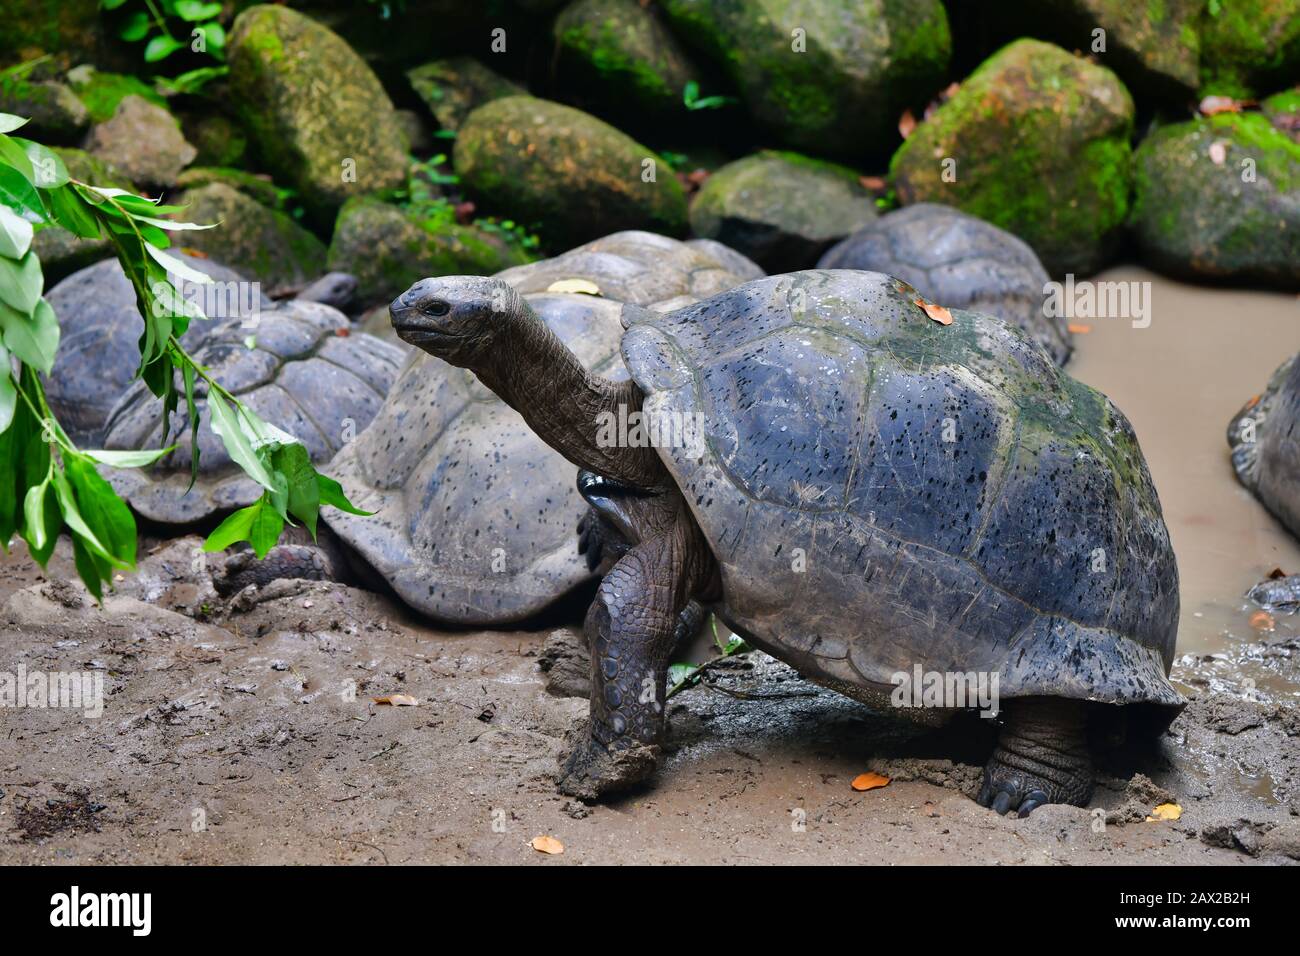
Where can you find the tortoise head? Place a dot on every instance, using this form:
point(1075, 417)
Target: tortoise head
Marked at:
point(455, 317)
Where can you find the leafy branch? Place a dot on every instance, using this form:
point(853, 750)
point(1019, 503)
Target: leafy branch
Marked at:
point(47, 484)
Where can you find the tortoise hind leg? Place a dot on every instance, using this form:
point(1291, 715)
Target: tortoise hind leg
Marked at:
point(1041, 757)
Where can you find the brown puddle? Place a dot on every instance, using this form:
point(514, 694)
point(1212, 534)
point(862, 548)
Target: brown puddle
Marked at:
point(1205, 353)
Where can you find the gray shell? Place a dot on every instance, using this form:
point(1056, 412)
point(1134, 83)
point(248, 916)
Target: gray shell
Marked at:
point(959, 261)
point(476, 516)
point(1030, 544)
point(99, 350)
point(302, 376)
point(1265, 441)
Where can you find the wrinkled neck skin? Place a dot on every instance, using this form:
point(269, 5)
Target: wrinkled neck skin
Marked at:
point(533, 372)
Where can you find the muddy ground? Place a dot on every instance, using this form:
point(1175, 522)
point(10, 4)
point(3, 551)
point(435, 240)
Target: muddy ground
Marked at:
point(229, 736)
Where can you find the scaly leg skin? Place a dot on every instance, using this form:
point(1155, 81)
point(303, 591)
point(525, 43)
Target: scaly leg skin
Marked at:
point(1041, 757)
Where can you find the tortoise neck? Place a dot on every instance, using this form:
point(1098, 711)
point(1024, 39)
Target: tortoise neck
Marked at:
point(536, 374)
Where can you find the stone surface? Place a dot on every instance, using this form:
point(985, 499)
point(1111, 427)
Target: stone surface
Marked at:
point(454, 87)
point(144, 141)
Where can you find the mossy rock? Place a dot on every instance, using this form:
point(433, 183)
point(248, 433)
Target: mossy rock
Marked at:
point(102, 92)
point(1035, 141)
point(1193, 216)
point(781, 209)
point(1153, 46)
point(55, 112)
point(617, 55)
point(260, 188)
point(1283, 111)
point(1248, 46)
point(316, 112)
point(580, 178)
point(62, 253)
point(859, 66)
point(262, 243)
point(144, 141)
point(220, 140)
point(455, 87)
point(71, 29)
point(389, 249)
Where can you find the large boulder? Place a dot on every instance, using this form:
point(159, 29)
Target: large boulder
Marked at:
point(144, 141)
point(454, 87)
point(1035, 141)
point(318, 116)
point(1220, 196)
point(56, 113)
point(1250, 46)
point(781, 209)
point(579, 178)
point(617, 56)
point(823, 75)
point(389, 249)
point(264, 244)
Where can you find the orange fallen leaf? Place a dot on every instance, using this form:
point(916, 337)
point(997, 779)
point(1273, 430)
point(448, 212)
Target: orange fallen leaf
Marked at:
point(1261, 621)
point(1079, 329)
point(547, 844)
point(869, 781)
point(397, 700)
point(1254, 401)
point(906, 124)
point(1220, 104)
point(1166, 811)
point(936, 312)
point(876, 184)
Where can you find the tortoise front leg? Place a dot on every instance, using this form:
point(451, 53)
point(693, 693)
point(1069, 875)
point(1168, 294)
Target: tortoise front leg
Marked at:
point(632, 627)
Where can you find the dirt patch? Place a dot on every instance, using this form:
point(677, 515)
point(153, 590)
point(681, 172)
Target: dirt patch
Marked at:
point(250, 735)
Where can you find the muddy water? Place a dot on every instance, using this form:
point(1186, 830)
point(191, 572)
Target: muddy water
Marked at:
point(1205, 352)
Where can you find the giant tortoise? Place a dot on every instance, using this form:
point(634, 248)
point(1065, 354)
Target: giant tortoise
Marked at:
point(959, 261)
point(855, 488)
point(1265, 441)
point(474, 515)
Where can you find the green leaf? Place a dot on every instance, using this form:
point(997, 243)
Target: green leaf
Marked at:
point(136, 27)
point(17, 192)
point(192, 409)
point(195, 10)
point(294, 463)
point(127, 459)
point(35, 338)
point(215, 35)
point(227, 427)
point(76, 523)
point(92, 571)
point(331, 493)
point(104, 512)
point(21, 282)
point(161, 47)
point(15, 234)
point(9, 122)
point(48, 171)
point(34, 527)
point(111, 4)
point(258, 524)
point(177, 267)
point(8, 392)
point(73, 213)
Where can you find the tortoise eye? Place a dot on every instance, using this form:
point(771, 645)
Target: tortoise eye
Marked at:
point(438, 307)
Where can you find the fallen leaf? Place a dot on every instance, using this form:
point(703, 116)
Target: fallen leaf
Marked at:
point(584, 286)
point(906, 124)
point(1276, 573)
point(1218, 152)
point(876, 184)
point(869, 781)
point(1079, 329)
point(397, 700)
point(936, 312)
point(1166, 811)
point(1254, 401)
point(1220, 104)
point(547, 844)
point(343, 333)
point(1261, 621)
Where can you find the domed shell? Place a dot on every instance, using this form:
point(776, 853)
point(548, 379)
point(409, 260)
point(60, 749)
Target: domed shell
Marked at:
point(306, 374)
point(1265, 446)
point(883, 491)
point(958, 261)
point(476, 516)
point(99, 350)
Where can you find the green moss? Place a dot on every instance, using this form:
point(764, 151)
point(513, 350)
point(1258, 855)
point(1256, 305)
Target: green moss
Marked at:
point(1250, 45)
point(102, 92)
